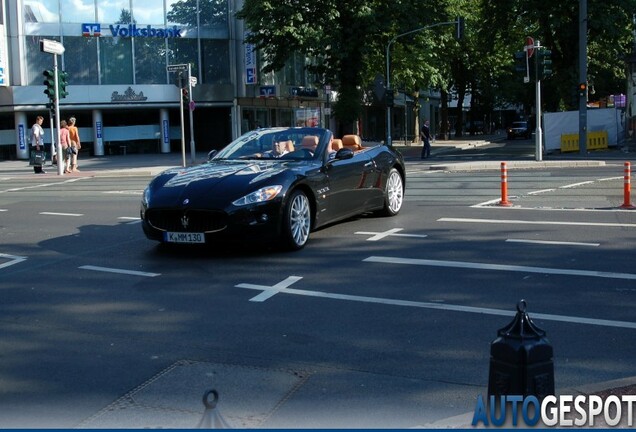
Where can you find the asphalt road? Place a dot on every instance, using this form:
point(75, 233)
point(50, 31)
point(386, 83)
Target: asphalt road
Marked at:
point(378, 322)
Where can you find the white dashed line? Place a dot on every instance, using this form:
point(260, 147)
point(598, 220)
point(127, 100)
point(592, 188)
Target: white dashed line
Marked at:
point(119, 271)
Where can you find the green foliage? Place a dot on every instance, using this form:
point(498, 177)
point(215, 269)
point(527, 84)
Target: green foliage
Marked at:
point(348, 42)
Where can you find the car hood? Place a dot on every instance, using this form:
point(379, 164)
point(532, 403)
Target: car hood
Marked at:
point(215, 181)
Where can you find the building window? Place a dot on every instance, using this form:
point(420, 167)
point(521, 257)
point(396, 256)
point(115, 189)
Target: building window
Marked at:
point(149, 14)
point(115, 55)
point(150, 61)
point(81, 62)
point(183, 51)
point(75, 11)
point(215, 55)
point(36, 60)
point(41, 11)
point(114, 11)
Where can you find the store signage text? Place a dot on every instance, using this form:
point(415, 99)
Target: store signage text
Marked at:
point(131, 30)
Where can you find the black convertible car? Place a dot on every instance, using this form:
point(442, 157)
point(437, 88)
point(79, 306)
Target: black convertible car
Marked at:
point(276, 185)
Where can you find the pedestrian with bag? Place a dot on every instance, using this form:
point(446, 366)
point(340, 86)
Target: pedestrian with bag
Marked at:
point(37, 141)
point(74, 142)
point(425, 134)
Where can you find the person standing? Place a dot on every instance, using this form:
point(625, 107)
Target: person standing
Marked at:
point(426, 140)
point(74, 143)
point(37, 141)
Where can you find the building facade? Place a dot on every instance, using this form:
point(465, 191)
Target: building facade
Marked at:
point(120, 57)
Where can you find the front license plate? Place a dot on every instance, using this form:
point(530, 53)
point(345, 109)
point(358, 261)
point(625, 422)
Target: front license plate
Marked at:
point(180, 237)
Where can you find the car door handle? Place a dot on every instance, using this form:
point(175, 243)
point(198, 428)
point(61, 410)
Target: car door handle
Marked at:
point(368, 164)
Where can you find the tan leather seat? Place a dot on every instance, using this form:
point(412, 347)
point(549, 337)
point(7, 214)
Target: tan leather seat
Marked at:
point(290, 146)
point(336, 144)
point(352, 141)
point(310, 142)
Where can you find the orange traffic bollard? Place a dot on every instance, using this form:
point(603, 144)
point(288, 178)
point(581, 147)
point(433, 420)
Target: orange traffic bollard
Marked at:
point(504, 186)
point(627, 187)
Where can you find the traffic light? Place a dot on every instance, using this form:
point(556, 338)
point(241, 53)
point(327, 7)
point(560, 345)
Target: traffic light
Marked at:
point(521, 65)
point(62, 79)
point(459, 28)
point(184, 95)
point(545, 62)
point(49, 82)
point(583, 90)
point(389, 98)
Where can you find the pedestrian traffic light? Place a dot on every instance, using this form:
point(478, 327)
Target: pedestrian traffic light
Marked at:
point(545, 62)
point(459, 28)
point(62, 79)
point(49, 82)
point(583, 90)
point(185, 95)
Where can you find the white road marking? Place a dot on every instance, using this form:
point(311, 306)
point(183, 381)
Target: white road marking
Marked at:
point(541, 191)
point(499, 267)
point(270, 291)
point(125, 192)
point(119, 271)
point(13, 260)
point(392, 232)
point(131, 220)
point(527, 222)
point(41, 185)
point(573, 185)
point(61, 214)
point(445, 307)
point(3, 210)
point(548, 242)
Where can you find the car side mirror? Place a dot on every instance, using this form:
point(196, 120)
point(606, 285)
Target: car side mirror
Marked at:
point(211, 154)
point(344, 153)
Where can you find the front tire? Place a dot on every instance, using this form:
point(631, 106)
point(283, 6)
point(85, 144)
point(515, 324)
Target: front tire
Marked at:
point(296, 221)
point(393, 193)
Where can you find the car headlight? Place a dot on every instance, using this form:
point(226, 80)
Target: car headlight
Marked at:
point(263, 194)
point(145, 197)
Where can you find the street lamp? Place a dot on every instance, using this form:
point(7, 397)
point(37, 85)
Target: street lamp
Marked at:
point(459, 22)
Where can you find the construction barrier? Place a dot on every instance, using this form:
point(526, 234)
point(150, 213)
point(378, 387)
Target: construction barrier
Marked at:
point(597, 140)
point(504, 186)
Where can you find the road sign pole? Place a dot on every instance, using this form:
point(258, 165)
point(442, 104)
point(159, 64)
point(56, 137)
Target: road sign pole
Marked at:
point(192, 146)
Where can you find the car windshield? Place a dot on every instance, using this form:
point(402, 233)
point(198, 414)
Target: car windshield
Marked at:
point(277, 143)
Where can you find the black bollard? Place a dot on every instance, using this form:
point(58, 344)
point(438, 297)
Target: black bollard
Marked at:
point(521, 359)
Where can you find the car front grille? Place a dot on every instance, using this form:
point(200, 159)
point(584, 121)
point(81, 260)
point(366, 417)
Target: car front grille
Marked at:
point(186, 220)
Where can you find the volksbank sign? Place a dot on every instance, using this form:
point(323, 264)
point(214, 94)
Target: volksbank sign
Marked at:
point(130, 30)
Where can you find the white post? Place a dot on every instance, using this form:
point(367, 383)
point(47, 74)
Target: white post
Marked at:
point(190, 106)
point(539, 134)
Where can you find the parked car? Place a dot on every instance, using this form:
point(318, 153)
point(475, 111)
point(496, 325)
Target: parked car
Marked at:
point(519, 129)
point(274, 185)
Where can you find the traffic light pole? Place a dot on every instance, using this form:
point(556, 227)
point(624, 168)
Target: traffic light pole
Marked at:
point(60, 157)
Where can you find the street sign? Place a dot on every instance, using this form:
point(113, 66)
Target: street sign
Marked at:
point(177, 67)
point(530, 46)
point(51, 47)
point(193, 81)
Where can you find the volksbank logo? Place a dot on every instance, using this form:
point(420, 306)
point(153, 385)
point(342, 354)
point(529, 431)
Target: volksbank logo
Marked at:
point(131, 30)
